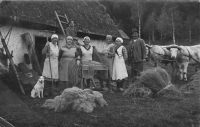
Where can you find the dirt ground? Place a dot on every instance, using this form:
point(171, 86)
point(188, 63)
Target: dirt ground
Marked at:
point(121, 111)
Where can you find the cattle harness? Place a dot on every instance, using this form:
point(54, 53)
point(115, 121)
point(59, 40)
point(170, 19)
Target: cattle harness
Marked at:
point(190, 57)
point(161, 55)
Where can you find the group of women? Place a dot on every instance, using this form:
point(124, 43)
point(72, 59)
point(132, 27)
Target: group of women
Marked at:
point(57, 60)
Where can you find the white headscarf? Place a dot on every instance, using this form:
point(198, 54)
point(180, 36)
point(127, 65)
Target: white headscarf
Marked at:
point(70, 37)
point(86, 37)
point(109, 37)
point(54, 36)
point(120, 39)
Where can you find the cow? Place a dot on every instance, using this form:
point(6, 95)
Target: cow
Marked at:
point(185, 55)
point(159, 54)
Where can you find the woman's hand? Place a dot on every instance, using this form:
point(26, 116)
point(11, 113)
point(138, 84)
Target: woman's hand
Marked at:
point(47, 45)
point(78, 62)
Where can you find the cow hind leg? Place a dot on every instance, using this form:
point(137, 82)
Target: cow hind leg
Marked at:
point(185, 66)
point(181, 72)
point(184, 76)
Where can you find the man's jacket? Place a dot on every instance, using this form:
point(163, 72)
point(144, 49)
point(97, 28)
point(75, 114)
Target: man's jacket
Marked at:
point(136, 51)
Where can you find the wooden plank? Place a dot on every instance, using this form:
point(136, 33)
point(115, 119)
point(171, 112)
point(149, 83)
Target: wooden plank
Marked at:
point(61, 16)
point(64, 22)
point(11, 62)
point(96, 67)
point(31, 51)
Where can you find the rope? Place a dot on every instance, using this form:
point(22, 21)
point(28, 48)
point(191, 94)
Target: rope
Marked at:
point(159, 53)
point(162, 55)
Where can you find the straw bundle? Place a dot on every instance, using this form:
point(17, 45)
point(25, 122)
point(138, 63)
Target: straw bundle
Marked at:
point(76, 99)
point(155, 79)
point(152, 82)
point(73, 73)
point(193, 86)
point(104, 59)
point(137, 90)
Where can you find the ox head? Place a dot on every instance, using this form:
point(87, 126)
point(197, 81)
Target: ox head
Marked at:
point(173, 50)
point(148, 47)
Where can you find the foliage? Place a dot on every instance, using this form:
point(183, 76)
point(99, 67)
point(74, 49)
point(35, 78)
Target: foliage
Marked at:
point(182, 17)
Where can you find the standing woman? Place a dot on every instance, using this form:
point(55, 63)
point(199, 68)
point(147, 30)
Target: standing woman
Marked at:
point(51, 50)
point(119, 67)
point(66, 54)
point(88, 53)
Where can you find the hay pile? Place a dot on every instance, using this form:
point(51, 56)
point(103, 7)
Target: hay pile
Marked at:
point(76, 99)
point(154, 82)
point(194, 84)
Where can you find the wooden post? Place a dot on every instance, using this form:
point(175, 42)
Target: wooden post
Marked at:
point(11, 62)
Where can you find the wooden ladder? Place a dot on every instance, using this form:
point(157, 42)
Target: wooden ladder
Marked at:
point(61, 22)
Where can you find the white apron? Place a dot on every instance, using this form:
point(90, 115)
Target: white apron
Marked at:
point(119, 67)
point(54, 52)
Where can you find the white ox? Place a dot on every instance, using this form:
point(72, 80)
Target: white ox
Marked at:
point(185, 55)
point(160, 54)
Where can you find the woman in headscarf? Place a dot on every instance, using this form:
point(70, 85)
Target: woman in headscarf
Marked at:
point(51, 50)
point(88, 53)
point(119, 67)
point(66, 55)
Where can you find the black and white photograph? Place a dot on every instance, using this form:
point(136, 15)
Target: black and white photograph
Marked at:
point(100, 63)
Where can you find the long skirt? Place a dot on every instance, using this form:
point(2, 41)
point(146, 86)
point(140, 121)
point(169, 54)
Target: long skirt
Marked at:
point(119, 69)
point(63, 69)
point(47, 71)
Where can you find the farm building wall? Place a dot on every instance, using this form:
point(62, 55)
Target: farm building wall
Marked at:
point(15, 42)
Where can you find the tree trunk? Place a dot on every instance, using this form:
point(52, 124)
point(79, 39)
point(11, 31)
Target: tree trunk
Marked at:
point(149, 39)
point(139, 28)
point(161, 36)
point(190, 33)
point(139, 19)
point(153, 37)
point(173, 27)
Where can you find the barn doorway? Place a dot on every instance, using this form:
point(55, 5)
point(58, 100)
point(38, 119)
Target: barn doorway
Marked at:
point(39, 45)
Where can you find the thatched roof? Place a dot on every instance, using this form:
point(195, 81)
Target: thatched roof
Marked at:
point(90, 16)
point(123, 35)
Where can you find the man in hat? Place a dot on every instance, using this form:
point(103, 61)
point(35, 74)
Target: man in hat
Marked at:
point(71, 30)
point(136, 54)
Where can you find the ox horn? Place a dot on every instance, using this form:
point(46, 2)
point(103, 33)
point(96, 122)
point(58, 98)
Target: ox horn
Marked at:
point(172, 46)
point(148, 46)
point(175, 46)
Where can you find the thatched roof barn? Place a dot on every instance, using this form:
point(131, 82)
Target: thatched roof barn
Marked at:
point(90, 16)
point(37, 19)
